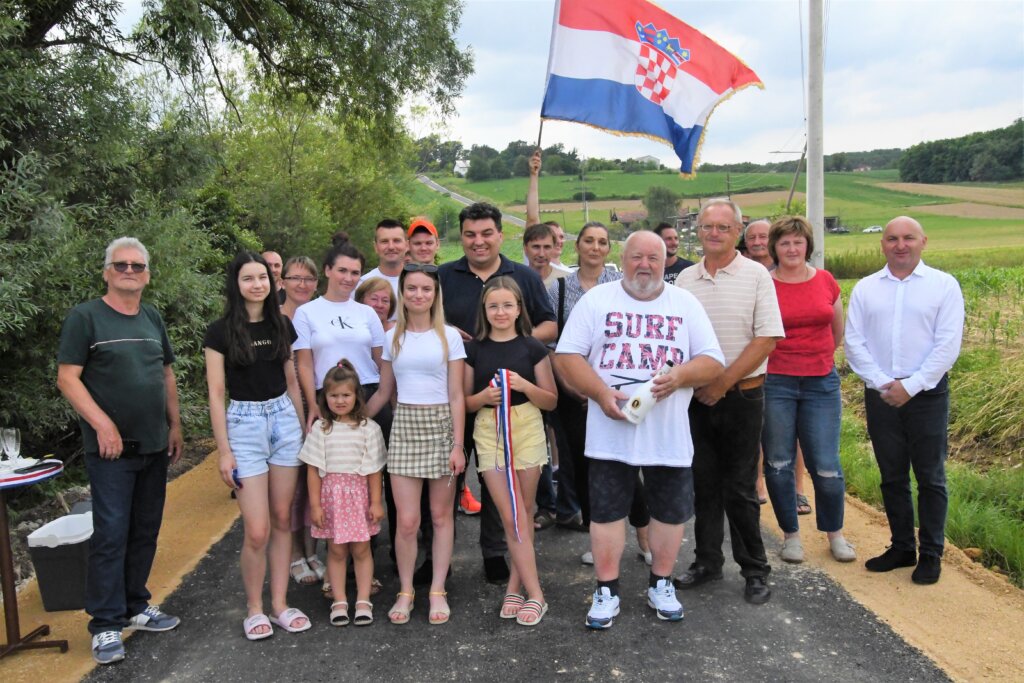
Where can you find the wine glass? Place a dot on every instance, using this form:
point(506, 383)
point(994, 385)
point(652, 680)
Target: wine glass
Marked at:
point(11, 442)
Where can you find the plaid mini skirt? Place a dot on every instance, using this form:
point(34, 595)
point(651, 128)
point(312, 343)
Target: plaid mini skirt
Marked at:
point(421, 441)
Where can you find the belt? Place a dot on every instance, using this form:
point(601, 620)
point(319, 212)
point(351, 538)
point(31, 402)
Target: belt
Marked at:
point(748, 383)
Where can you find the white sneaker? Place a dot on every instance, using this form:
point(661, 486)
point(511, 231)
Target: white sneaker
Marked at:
point(646, 556)
point(587, 558)
point(603, 609)
point(662, 598)
point(107, 647)
point(792, 550)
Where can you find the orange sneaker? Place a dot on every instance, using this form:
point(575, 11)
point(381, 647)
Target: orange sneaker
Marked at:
point(467, 503)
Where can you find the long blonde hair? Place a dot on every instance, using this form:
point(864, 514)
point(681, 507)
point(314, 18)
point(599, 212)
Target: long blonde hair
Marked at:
point(436, 310)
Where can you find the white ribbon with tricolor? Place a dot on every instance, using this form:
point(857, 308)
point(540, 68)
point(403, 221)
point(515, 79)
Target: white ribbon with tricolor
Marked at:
point(503, 434)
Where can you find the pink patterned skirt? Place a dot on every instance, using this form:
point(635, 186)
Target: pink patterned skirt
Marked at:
point(345, 499)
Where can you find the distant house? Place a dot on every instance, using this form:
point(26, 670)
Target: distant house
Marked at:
point(627, 218)
point(648, 159)
point(862, 169)
point(461, 167)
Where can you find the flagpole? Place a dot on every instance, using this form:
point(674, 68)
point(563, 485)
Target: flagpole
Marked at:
point(539, 132)
point(815, 131)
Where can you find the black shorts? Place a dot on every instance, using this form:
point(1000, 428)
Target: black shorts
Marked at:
point(669, 491)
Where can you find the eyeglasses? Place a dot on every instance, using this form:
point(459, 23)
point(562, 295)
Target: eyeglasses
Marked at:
point(713, 227)
point(123, 266)
point(420, 268)
point(301, 280)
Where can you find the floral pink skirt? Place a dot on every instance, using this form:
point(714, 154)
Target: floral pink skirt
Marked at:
point(345, 499)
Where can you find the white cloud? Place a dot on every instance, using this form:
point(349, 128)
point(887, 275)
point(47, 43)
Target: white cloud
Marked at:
point(898, 72)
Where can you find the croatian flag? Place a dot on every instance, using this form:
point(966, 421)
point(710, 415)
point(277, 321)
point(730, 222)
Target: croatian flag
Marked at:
point(631, 68)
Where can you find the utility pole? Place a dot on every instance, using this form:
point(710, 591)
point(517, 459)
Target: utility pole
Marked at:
point(815, 129)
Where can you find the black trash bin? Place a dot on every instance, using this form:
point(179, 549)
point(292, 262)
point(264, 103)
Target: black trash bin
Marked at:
point(60, 554)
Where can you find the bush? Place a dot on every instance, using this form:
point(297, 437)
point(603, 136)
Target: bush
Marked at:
point(584, 196)
point(52, 258)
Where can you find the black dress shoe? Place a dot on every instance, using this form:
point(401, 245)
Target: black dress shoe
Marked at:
point(892, 559)
point(695, 576)
point(495, 569)
point(927, 571)
point(757, 591)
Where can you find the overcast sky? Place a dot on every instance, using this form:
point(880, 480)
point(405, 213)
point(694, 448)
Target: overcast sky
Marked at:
point(897, 72)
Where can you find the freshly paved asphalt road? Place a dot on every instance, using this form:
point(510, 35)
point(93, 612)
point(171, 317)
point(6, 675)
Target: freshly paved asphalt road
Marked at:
point(466, 201)
point(811, 630)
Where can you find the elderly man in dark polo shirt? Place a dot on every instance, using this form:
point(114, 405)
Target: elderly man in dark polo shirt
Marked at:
point(462, 281)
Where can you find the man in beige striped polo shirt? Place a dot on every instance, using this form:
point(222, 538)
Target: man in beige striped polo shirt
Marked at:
point(726, 415)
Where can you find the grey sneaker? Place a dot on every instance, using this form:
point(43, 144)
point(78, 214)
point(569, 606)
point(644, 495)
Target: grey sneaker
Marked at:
point(152, 619)
point(587, 558)
point(792, 550)
point(842, 550)
point(107, 647)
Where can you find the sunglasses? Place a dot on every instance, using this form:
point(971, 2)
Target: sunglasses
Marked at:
point(420, 268)
point(123, 266)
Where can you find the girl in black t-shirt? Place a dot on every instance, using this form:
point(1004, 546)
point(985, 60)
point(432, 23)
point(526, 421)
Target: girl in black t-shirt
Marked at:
point(248, 358)
point(503, 342)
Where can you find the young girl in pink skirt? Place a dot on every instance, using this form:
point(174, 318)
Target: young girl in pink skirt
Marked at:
point(345, 453)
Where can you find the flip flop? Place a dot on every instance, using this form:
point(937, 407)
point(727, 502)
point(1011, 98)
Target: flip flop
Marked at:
point(305, 576)
point(363, 616)
point(531, 608)
point(250, 624)
point(803, 506)
point(510, 605)
point(339, 613)
point(288, 617)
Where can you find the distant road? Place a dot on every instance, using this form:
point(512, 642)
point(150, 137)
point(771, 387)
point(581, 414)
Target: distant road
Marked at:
point(466, 201)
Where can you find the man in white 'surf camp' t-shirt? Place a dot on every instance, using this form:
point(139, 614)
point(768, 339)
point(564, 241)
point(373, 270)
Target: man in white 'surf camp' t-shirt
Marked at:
point(617, 336)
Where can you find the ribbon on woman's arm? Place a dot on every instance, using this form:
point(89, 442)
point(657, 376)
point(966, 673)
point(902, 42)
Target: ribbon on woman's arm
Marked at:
point(503, 434)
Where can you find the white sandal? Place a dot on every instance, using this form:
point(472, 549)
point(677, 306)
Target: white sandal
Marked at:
point(316, 566)
point(304, 577)
point(339, 613)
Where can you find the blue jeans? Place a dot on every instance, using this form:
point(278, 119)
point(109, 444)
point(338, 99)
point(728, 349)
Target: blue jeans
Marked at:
point(913, 436)
point(127, 509)
point(807, 410)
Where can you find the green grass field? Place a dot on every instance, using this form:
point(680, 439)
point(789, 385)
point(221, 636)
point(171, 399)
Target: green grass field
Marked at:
point(857, 198)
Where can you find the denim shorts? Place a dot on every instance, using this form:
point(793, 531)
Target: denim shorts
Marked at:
point(263, 433)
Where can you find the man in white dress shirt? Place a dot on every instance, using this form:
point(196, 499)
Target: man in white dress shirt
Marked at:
point(903, 331)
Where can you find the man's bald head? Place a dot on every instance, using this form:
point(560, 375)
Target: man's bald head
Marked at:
point(903, 240)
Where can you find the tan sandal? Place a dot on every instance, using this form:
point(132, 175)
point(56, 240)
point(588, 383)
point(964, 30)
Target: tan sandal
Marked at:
point(339, 613)
point(401, 616)
point(363, 615)
point(442, 615)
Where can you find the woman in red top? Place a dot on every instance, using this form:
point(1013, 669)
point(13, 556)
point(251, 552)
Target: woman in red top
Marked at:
point(801, 391)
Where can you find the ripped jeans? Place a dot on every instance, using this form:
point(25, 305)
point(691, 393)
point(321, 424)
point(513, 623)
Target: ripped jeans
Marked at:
point(807, 409)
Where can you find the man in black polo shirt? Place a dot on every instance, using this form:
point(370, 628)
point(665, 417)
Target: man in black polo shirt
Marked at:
point(462, 282)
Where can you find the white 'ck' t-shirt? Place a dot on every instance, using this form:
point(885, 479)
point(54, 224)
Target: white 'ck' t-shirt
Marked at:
point(626, 341)
point(335, 330)
point(421, 371)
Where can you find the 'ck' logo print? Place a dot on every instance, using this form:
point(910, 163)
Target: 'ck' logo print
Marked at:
point(340, 322)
